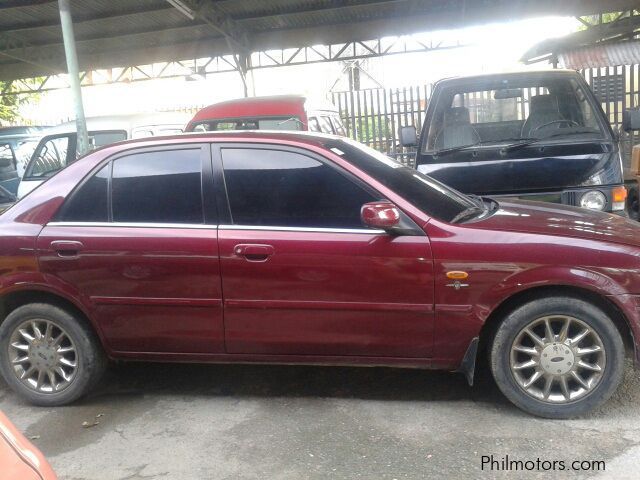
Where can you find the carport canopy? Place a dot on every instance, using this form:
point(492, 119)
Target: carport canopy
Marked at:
point(117, 33)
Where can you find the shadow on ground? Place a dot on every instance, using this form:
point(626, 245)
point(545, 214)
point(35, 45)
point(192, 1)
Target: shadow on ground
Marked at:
point(373, 383)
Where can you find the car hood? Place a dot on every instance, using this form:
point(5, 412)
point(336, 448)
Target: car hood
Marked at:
point(551, 219)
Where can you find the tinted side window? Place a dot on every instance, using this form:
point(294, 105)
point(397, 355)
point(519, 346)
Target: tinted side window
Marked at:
point(158, 187)
point(89, 202)
point(286, 189)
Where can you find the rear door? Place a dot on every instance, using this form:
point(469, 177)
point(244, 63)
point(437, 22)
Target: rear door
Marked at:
point(301, 275)
point(137, 241)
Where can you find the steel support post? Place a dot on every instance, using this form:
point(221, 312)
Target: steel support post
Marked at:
point(74, 74)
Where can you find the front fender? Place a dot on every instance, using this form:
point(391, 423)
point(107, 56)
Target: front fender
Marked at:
point(541, 276)
point(458, 323)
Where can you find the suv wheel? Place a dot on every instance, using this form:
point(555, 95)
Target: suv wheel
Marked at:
point(49, 356)
point(557, 357)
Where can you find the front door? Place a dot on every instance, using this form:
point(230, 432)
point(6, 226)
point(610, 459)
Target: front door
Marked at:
point(303, 276)
point(135, 241)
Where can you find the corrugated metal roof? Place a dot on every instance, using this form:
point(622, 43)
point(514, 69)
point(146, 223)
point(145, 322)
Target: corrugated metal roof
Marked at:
point(623, 53)
point(111, 33)
point(583, 43)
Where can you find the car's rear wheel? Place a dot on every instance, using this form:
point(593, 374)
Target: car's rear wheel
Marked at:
point(557, 357)
point(48, 355)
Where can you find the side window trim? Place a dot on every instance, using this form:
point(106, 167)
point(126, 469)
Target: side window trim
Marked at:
point(109, 195)
point(225, 217)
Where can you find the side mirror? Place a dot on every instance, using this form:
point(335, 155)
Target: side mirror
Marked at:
point(408, 136)
point(631, 119)
point(383, 215)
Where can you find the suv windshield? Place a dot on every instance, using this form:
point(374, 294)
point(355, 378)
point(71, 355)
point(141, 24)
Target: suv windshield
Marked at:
point(516, 111)
point(257, 123)
point(429, 195)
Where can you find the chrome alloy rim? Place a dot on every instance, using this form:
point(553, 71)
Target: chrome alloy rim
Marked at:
point(43, 356)
point(557, 359)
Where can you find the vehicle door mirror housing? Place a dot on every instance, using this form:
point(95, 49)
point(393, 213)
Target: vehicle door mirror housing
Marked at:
point(382, 215)
point(631, 119)
point(408, 136)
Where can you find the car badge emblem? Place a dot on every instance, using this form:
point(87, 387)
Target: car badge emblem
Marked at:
point(457, 275)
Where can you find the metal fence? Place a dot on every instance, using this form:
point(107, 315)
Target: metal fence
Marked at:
point(374, 116)
point(617, 88)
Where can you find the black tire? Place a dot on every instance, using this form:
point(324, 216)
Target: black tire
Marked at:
point(595, 318)
point(91, 360)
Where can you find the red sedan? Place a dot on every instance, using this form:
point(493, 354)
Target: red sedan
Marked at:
point(19, 459)
point(305, 248)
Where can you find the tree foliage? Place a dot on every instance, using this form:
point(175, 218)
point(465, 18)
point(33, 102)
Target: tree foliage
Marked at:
point(9, 104)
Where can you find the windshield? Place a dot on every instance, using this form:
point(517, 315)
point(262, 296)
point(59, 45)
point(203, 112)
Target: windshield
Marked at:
point(531, 109)
point(429, 195)
point(265, 123)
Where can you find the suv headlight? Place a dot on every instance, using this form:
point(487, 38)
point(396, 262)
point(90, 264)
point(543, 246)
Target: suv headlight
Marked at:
point(593, 200)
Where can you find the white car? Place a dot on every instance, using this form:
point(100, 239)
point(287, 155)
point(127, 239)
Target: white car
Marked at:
point(57, 148)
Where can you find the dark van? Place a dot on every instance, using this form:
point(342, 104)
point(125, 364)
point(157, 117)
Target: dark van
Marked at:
point(529, 135)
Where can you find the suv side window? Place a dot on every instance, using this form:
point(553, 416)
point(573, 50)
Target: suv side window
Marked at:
point(338, 126)
point(50, 158)
point(314, 126)
point(158, 187)
point(287, 189)
point(325, 125)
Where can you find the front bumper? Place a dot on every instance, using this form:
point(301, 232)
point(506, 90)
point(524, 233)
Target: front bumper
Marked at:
point(569, 197)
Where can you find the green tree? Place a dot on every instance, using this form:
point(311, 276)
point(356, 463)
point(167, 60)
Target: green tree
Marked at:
point(9, 104)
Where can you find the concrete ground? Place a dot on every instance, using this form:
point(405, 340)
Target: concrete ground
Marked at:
point(186, 422)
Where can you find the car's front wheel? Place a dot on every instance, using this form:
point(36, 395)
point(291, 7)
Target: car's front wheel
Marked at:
point(557, 357)
point(48, 355)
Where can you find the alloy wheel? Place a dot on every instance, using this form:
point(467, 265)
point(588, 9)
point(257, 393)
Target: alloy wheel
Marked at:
point(557, 359)
point(43, 356)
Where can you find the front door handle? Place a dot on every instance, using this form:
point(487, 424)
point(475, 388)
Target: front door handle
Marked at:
point(67, 248)
point(254, 252)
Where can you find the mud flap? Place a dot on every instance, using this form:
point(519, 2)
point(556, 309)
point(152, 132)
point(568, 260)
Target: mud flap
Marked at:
point(468, 364)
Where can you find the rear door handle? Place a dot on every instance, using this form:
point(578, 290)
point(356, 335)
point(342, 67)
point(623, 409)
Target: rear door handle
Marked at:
point(254, 252)
point(67, 248)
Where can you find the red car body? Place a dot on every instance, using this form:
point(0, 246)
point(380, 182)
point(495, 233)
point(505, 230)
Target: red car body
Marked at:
point(189, 294)
point(19, 459)
point(308, 116)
